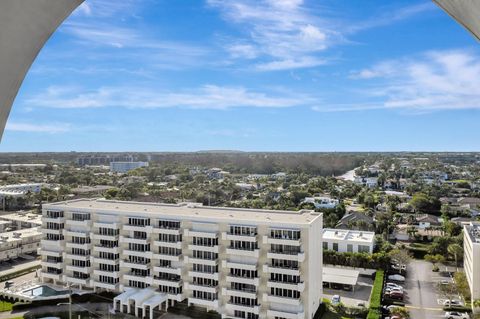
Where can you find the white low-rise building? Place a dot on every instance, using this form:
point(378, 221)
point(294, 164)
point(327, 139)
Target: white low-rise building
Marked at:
point(471, 258)
point(344, 240)
point(20, 242)
point(124, 167)
point(243, 263)
point(22, 220)
point(322, 201)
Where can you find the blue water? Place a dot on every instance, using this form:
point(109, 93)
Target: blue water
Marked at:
point(45, 291)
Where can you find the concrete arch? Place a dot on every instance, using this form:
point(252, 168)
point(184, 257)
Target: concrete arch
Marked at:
point(25, 26)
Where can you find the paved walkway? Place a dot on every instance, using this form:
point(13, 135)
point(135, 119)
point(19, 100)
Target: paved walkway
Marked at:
point(17, 266)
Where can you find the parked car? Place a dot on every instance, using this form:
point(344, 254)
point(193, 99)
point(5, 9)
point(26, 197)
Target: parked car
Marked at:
point(395, 295)
point(399, 278)
point(456, 315)
point(335, 299)
point(393, 289)
point(449, 303)
point(392, 284)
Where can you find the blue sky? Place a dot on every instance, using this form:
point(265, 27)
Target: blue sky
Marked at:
point(252, 75)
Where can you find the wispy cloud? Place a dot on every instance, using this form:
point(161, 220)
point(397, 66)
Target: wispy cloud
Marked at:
point(205, 97)
point(436, 80)
point(38, 128)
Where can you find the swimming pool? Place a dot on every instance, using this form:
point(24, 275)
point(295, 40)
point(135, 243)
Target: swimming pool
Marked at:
point(44, 291)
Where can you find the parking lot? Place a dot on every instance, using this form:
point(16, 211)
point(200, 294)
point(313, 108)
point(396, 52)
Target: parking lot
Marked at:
point(421, 295)
point(352, 298)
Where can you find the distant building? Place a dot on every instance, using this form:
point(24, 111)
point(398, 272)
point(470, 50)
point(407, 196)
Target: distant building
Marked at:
point(124, 167)
point(22, 220)
point(322, 201)
point(20, 242)
point(104, 159)
point(426, 220)
point(353, 218)
point(352, 241)
point(370, 182)
point(471, 259)
point(217, 173)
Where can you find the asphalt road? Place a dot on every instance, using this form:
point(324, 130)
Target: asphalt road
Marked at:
point(422, 298)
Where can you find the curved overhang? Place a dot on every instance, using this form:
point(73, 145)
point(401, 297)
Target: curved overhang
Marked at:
point(25, 26)
point(465, 12)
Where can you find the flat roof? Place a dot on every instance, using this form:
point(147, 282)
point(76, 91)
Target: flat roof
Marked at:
point(340, 275)
point(23, 217)
point(19, 234)
point(189, 210)
point(348, 235)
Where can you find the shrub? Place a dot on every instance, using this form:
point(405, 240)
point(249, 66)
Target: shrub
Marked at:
point(376, 296)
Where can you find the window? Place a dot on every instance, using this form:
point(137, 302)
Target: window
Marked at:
point(350, 248)
point(325, 245)
point(335, 246)
point(363, 249)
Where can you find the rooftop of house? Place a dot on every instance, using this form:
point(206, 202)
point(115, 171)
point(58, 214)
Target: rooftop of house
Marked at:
point(348, 235)
point(18, 235)
point(23, 217)
point(188, 211)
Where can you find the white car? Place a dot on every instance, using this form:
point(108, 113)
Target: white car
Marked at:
point(396, 278)
point(452, 303)
point(456, 315)
point(389, 289)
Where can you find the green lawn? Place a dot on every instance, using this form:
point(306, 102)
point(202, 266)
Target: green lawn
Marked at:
point(5, 306)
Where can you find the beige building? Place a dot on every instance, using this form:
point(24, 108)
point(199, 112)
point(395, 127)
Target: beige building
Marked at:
point(471, 258)
point(17, 243)
point(243, 263)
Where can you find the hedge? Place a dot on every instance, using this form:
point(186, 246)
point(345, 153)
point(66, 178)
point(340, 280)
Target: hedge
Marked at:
point(19, 273)
point(376, 296)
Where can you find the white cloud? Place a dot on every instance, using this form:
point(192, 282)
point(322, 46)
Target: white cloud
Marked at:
point(38, 128)
point(437, 80)
point(205, 97)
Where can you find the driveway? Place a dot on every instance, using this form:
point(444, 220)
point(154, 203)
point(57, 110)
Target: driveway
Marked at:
point(421, 293)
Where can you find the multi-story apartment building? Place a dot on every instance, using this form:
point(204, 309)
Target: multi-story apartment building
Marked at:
point(344, 240)
point(471, 258)
point(243, 263)
point(123, 167)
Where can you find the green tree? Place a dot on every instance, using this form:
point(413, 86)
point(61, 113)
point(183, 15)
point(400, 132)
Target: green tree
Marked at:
point(456, 251)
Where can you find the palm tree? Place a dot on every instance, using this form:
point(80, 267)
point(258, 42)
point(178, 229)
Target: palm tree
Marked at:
point(455, 250)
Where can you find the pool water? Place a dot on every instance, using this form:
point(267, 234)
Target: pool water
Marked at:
point(45, 291)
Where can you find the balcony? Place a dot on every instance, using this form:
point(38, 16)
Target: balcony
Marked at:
point(243, 252)
point(300, 257)
point(107, 249)
point(75, 280)
point(133, 240)
point(167, 282)
point(52, 231)
point(53, 264)
point(192, 286)
point(52, 243)
point(140, 278)
point(76, 257)
point(200, 233)
point(206, 275)
point(281, 270)
point(203, 302)
point(76, 233)
point(113, 274)
point(85, 270)
point(247, 308)
point(208, 262)
point(79, 223)
point(286, 285)
point(105, 237)
point(46, 219)
point(146, 254)
point(243, 280)
point(100, 260)
point(283, 314)
point(130, 264)
point(46, 252)
point(176, 297)
point(167, 231)
point(230, 236)
point(167, 257)
point(239, 293)
point(146, 229)
point(109, 225)
point(105, 285)
point(81, 246)
point(175, 244)
point(212, 249)
point(228, 264)
point(281, 241)
point(168, 270)
point(282, 300)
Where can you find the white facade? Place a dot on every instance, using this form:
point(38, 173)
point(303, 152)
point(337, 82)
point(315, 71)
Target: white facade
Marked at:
point(243, 263)
point(471, 258)
point(123, 167)
point(344, 240)
point(22, 220)
point(322, 201)
point(20, 242)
